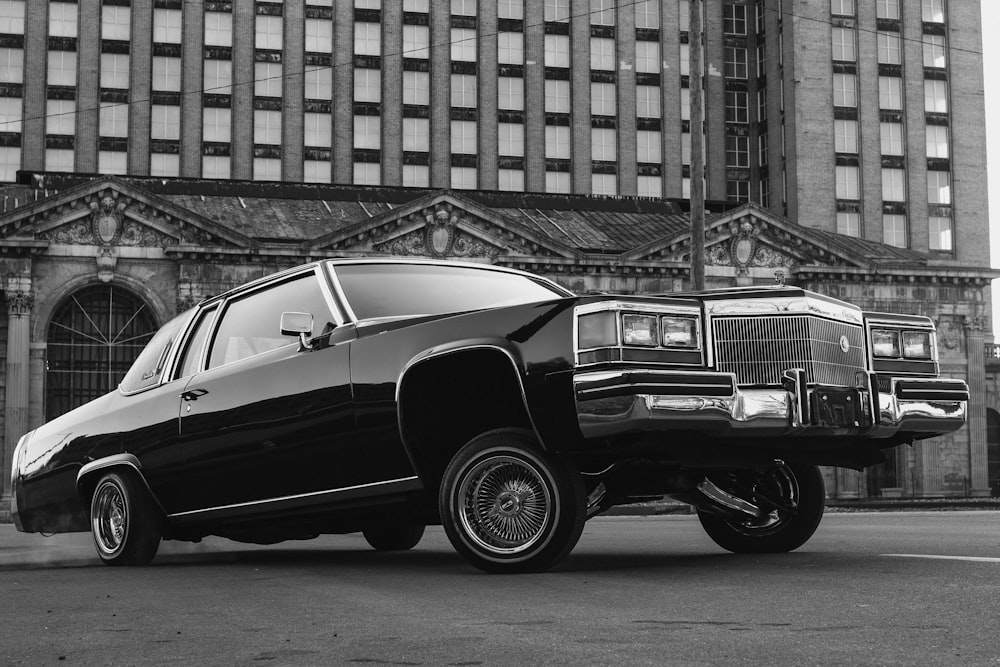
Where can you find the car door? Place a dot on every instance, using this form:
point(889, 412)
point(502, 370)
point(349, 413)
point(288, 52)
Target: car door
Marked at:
point(268, 419)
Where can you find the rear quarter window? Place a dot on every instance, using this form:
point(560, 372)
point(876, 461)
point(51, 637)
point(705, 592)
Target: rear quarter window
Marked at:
point(148, 367)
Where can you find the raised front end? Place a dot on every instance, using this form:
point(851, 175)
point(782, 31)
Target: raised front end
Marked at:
point(761, 363)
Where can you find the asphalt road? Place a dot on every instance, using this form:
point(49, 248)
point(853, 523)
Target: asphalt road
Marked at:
point(913, 588)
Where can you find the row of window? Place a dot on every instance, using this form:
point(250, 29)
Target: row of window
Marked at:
point(167, 23)
point(895, 232)
point(888, 47)
point(931, 11)
point(319, 171)
point(848, 179)
point(891, 139)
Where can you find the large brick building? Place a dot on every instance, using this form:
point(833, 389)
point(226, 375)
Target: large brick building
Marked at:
point(848, 136)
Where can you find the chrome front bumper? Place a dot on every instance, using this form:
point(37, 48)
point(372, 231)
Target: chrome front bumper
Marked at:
point(637, 400)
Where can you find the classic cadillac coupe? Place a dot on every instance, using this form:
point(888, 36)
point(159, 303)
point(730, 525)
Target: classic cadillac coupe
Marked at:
point(381, 396)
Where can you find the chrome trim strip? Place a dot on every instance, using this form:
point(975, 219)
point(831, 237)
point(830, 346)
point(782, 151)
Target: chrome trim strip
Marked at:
point(620, 307)
point(759, 411)
point(583, 392)
point(331, 301)
point(787, 305)
point(339, 294)
point(299, 496)
point(875, 323)
point(117, 459)
point(642, 306)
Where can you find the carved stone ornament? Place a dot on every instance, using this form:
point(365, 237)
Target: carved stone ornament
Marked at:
point(949, 334)
point(440, 237)
point(440, 231)
point(745, 250)
point(106, 219)
point(743, 246)
point(106, 261)
point(19, 303)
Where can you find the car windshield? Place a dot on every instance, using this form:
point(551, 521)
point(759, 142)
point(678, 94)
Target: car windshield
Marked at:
point(400, 290)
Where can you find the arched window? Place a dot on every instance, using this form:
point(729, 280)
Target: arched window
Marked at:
point(94, 336)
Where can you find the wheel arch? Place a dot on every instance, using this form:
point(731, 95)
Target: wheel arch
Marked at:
point(90, 474)
point(493, 396)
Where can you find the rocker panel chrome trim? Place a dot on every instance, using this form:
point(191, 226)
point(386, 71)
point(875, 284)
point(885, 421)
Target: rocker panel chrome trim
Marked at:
point(409, 484)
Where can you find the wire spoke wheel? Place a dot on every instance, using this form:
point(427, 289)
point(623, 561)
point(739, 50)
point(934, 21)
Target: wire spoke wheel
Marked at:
point(508, 506)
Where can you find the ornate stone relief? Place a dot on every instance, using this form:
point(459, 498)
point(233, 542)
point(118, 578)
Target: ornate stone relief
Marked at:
point(19, 303)
point(745, 249)
point(950, 333)
point(440, 237)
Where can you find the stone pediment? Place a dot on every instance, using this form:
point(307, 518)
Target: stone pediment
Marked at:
point(441, 225)
point(751, 239)
point(108, 213)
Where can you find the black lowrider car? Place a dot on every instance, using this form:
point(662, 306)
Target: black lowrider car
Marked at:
point(382, 396)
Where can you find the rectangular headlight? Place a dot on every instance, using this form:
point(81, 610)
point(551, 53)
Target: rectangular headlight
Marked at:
point(598, 330)
point(917, 344)
point(885, 343)
point(679, 332)
point(639, 330)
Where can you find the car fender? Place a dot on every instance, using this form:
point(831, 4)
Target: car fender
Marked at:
point(91, 470)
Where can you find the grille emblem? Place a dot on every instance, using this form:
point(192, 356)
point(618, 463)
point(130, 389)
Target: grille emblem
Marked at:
point(845, 344)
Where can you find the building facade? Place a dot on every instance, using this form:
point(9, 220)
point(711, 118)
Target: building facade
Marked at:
point(840, 115)
point(846, 138)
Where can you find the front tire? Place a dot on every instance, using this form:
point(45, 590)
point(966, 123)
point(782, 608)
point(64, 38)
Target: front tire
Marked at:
point(793, 497)
point(125, 522)
point(507, 506)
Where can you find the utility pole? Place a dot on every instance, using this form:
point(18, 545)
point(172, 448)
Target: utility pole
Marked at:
point(696, 86)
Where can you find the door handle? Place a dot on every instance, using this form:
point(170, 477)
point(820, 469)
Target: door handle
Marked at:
point(193, 394)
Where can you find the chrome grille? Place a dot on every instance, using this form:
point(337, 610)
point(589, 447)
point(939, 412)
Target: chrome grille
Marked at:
point(759, 349)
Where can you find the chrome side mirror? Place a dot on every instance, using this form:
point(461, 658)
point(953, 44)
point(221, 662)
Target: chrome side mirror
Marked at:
point(298, 324)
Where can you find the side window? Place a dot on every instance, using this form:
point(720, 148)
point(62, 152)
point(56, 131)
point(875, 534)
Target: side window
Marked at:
point(191, 356)
point(148, 366)
point(252, 324)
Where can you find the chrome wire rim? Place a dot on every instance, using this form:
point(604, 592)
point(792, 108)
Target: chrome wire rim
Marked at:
point(505, 505)
point(780, 483)
point(109, 518)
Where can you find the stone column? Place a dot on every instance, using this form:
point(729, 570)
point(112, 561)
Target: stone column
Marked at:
point(37, 364)
point(978, 462)
point(19, 301)
point(848, 483)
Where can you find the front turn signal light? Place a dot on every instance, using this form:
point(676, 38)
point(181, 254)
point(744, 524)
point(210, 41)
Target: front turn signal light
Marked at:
point(597, 330)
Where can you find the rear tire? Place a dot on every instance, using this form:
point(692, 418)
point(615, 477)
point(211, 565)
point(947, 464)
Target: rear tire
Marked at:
point(793, 497)
point(507, 506)
point(125, 522)
point(393, 535)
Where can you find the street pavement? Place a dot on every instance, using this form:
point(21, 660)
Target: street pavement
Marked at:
point(886, 588)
